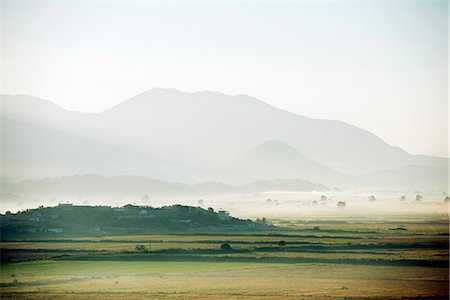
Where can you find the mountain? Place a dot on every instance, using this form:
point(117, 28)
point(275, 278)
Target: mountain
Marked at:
point(92, 185)
point(273, 160)
point(205, 130)
point(282, 185)
point(39, 152)
point(410, 177)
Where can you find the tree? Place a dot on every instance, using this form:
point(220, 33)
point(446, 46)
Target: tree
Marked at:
point(140, 248)
point(225, 247)
point(372, 198)
point(261, 221)
point(447, 199)
point(341, 204)
point(419, 198)
point(402, 198)
point(323, 198)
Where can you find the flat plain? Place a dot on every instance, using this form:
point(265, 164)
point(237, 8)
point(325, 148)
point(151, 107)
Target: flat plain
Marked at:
point(400, 257)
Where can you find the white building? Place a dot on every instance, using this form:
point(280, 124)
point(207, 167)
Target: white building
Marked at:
point(224, 215)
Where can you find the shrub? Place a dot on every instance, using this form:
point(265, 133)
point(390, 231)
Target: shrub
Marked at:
point(341, 204)
point(140, 248)
point(225, 247)
point(419, 198)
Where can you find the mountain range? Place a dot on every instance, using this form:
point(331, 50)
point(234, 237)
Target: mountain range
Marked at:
point(92, 185)
point(193, 137)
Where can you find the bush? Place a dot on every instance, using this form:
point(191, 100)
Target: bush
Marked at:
point(341, 204)
point(281, 243)
point(225, 247)
point(140, 248)
point(419, 198)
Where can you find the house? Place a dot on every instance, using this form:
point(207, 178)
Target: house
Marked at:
point(55, 230)
point(35, 217)
point(224, 215)
point(119, 209)
point(143, 212)
point(65, 206)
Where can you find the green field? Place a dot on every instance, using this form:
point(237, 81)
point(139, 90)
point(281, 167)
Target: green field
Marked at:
point(321, 259)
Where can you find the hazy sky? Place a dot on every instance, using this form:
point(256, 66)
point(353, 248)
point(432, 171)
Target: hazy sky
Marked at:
point(382, 66)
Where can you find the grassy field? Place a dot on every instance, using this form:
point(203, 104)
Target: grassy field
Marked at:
point(403, 258)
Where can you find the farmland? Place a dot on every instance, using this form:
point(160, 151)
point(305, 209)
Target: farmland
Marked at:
point(361, 258)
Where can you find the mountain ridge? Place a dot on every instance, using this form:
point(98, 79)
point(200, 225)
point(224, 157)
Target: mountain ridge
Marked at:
point(205, 130)
point(275, 159)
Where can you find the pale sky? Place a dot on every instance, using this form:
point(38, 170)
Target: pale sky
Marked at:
point(382, 66)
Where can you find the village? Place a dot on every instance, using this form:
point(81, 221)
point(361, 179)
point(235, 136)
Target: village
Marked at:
point(67, 219)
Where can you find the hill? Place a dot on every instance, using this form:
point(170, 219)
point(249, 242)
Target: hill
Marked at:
point(33, 151)
point(275, 159)
point(409, 177)
point(205, 130)
point(73, 187)
point(68, 220)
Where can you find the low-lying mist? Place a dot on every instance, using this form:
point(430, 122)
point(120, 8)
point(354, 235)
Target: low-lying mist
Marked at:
point(271, 204)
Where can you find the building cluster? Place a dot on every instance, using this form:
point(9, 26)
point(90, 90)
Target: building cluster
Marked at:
point(67, 217)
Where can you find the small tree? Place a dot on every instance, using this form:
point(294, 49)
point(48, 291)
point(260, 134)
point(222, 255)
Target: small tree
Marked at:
point(447, 199)
point(282, 243)
point(402, 198)
point(372, 198)
point(341, 204)
point(323, 198)
point(140, 248)
point(419, 198)
point(225, 247)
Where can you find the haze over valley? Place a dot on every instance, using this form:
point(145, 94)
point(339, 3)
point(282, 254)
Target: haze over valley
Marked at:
point(166, 143)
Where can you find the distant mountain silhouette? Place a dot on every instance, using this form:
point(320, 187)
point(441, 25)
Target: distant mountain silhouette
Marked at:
point(32, 151)
point(93, 185)
point(282, 185)
point(409, 177)
point(168, 134)
point(275, 159)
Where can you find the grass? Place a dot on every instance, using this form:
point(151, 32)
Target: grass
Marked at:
point(136, 280)
point(359, 259)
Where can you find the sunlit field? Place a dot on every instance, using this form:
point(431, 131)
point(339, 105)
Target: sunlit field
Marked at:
point(139, 280)
point(403, 257)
